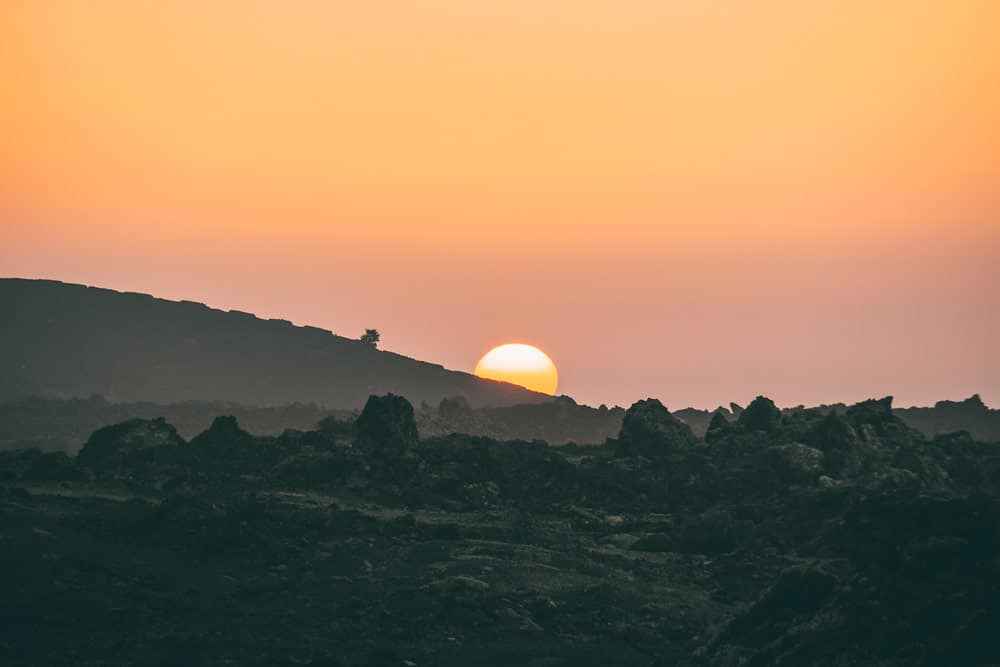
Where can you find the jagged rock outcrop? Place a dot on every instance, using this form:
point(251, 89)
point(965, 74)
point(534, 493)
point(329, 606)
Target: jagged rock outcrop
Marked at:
point(970, 415)
point(796, 463)
point(973, 405)
point(874, 411)
point(223, 435)
point(876, 423)
point(649, 429)
point(717, 428)
point(761, 415)
point(839, 443)
point(108, 445)
point(387, 422)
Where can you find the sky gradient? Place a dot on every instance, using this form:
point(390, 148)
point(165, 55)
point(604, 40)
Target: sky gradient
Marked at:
point(698, 201)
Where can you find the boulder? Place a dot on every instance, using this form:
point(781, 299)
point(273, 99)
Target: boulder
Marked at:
point(110, 444)
point(717, 428)
point(880, 434)
point(649, 429)
point(877, 425)
point(972, 406)
point(839, 443)
point(796, 463)
point(224, 433)
point(761, 415)
point(387, 422)
point(876, 413)
point(335, 427)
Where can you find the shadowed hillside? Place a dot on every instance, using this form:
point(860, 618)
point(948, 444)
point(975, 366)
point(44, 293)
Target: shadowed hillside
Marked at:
point(61, 340)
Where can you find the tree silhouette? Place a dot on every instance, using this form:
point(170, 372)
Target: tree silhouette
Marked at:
point(370, 337)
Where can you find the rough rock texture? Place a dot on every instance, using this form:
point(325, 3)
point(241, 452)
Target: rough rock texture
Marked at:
point(308, 549)
point(224, 434)
point(648, 429)
point(839, 443)
point(717, 428)
point(797, 463)
point(387, 422)
point(761, 415)
point(41, 467)
point(109, 444)
point(877, 425)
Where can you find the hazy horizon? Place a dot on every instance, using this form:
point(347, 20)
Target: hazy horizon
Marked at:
point(697, 203)
point(722, 403)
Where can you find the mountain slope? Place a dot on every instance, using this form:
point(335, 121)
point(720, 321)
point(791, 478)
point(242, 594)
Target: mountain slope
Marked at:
point(63, 340)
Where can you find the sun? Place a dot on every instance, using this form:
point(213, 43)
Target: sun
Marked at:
point(520, 364)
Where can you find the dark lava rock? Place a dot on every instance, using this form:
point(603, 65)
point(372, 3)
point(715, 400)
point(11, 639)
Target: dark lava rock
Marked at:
point(761, 415)
point(717, 428)
point(224, 433)
point(649, 429)
point(335, 428)
point(798, 591)
point(796, 464)
point(321, 439)
point(109, 444)
point(838, 441)
point(878, 426)
point(714, 531)
point(53, 467)
point(655, 542)
point(387, 422)
point(226, 449)
point(315, 469)
point(872, 411)
point(469, 550)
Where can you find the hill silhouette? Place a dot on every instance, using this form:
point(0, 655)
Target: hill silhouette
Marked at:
point(62, 340)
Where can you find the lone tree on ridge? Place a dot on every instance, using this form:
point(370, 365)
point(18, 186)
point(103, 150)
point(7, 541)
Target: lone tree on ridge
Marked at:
point(370, 337)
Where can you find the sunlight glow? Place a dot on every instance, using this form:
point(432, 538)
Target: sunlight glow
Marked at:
point(520, 364)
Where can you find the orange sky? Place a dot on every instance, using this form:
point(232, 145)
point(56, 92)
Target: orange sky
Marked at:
point(699, 201)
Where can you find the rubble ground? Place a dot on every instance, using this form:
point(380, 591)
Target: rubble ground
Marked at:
point(810, 538)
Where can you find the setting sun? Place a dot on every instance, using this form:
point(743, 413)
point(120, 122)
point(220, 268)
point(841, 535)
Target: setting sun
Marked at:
point(520, 364)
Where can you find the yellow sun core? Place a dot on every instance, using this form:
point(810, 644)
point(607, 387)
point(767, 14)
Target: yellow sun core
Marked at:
point(520, 364)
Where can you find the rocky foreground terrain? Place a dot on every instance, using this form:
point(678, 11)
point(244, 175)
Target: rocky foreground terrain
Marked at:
point(795, 538)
